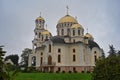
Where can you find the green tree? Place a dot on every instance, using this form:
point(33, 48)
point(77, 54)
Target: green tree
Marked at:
point(4, 69)
point(25, 55)
point(14, 58)
point(112, 51)
point(108, 68)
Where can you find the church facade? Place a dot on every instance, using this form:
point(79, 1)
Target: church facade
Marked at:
point(70, 50)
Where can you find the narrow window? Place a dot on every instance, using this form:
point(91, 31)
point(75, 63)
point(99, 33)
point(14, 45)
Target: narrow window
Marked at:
point(59, 69)
point(73, 50)
point(59, 50)
point(73, 32)
point(68, 31)
point(39, 35)
point(78, 32)
point(74, 40)
point(62, 32)
point(42, 37)
point(74, 69)
point(41, 60)
point(59, 58)
point(41, 53)
point(95, 58)
point(49, 47)
point(74, 58)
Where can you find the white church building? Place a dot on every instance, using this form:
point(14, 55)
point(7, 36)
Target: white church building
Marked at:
point(70, 50)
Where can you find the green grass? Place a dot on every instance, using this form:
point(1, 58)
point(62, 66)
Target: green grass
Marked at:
point(53, 76)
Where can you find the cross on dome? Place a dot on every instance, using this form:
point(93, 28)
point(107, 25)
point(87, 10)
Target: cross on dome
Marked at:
point(67, 9)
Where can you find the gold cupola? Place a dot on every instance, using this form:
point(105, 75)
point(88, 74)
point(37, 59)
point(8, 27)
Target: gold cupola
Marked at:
point(89, 36)
point(77, 26)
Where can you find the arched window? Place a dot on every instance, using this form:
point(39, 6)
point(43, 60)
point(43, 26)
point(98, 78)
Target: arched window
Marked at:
point(78, 32)
point(68, 31)
point(62, 32)
point(49, 48)
point(33, 61)
point(73, 50)
point(95, 57)
point(74, 58)
point(73, 32)
point(59, 58)
point(42, 37)
point(59, 50)
point(39, 35)
point(41, 60)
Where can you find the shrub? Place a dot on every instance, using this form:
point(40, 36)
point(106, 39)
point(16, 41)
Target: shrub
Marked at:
point(83, 71)
point(70, 71)
point(63, 71)
point(57, 71)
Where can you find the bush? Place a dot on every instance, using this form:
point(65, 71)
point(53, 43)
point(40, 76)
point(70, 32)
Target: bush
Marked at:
point(57, 71)
point(50, 71)
point(83, 71)
point(75, 71)
point(63, 71)
point(88, 71)
point(70, 71)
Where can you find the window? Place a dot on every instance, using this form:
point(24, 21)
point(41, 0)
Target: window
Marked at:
point(49, 47)
point(59, 69)
point(68, 31)
point(39, 35)
point(59, 58)
point(46, 36)
point(41, 60)
point(95, 52)
point(73, 50)
point(62, 32)
point(74, 58)
point(74, 69)
point(42, 37)
point(78, 32)
point(41, 53)
point(95, 58)
point(74, 40)
point(73, 32)
point(59, 50)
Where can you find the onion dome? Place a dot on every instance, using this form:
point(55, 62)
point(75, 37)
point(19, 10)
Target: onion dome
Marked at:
point(40, 18)
point(46, 32)
point(67, 18)
point(89, 36)
point(77, 26)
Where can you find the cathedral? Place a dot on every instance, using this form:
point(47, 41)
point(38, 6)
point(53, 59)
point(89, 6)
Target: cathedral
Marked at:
point(71, 50)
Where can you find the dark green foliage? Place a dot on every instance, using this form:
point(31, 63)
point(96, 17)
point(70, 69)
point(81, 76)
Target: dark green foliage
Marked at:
point(112, 51)
point(14, 58)
point(24, 56)
point(63, 71)
point(108, 68)
point(5, 70)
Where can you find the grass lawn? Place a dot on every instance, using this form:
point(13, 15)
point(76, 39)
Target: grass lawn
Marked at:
point(53, 76)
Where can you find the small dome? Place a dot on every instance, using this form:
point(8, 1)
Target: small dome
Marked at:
point(40, 18)
point(77, 26)
point(67, 18)
point(88, 35)
point(46, 32)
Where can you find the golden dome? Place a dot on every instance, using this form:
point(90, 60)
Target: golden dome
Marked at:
point(40, 18)
point(77, 26)
point(67, 18)
point(46, 32)
point(88, 35)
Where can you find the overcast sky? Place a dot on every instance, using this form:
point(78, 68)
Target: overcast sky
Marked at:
point(17, 20)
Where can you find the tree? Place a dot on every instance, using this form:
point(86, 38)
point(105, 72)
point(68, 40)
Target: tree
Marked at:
point(112, 51)
point(103, 54)
point(14, 58)
point(25, 55)
point(108, 68)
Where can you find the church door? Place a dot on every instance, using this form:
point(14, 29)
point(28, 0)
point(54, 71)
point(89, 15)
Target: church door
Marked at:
point(49, 60)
